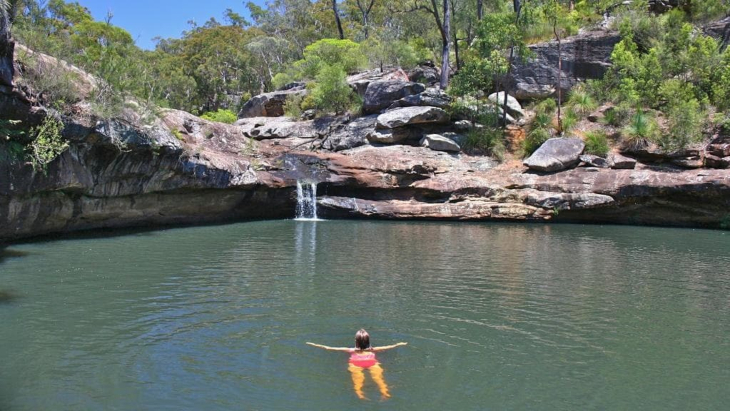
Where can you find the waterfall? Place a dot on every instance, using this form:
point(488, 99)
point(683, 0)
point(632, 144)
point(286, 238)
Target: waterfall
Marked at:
point(306, 201)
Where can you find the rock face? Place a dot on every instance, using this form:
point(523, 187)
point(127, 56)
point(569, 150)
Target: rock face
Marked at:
point(720, 30)
point(438, 142)
point(269, 104)
point(381, 94)
point(412, 115)
point(181, 169)
point(431, 97)
point(585, 56)
point(426, 73)
point(556, 154)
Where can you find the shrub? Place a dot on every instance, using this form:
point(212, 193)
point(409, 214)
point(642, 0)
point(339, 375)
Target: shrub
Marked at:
point(597, 143)
point(569, 121)
point(280, 80)
point(47, 143)
point(617, 116)
point(331, 91)
point(534, 140)
point(685, 123)
point(331, 52)
point(547, 106)
point(641, 129)
point(293, 105)
point(581, 102)
point(220, 116)
point(489, 140)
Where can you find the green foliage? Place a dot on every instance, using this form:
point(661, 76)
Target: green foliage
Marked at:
point(685, 121)
point(178, 135)
point(547, 106)
point(486, 63)
point(641, 129)
point(569, 121)
point(333, 52)
point(221, 116)
point(331, 92)
point(540, 128)
point(293, 105)
point(534, 140)
point(381, 53)
point(596, 143)
point(47, 143)
point(280, 80)
point(580, 102)
point(617, 116)
point(489, 140)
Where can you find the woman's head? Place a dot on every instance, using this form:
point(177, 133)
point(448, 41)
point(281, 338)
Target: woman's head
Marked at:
point(362, 340)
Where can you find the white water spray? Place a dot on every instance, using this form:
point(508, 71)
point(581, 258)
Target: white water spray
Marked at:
point(306, 201)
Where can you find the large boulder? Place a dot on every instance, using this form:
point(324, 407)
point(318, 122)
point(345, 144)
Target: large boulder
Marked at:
point(585, 56)
point(438, 142)
point(381, 94)
point(513, 106)
point(412, 115)
point(268, 104)
point(556, 154)
point(426, 73)
point(351, 135)
point(433, 97)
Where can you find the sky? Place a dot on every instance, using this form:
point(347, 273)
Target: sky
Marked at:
point(147, 19)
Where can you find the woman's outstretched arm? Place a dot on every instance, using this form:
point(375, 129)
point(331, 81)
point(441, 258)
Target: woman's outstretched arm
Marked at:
point(388, 347)
point(328, 348)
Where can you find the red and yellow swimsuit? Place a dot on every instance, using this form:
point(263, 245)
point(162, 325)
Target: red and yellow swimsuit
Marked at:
point(363, 359)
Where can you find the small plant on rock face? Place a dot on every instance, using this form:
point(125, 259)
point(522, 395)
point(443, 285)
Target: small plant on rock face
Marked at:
point(47, 144)
point(570, 120)
point(220, 116)
point(293, 105)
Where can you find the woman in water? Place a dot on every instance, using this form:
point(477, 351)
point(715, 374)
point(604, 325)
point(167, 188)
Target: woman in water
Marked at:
point(362, 357)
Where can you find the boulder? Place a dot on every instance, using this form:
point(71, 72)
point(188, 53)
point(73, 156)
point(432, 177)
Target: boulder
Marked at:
point(617, 161)
point(396, 135)
point(713, 161)
point(381, 94)
point(412, 115)
point(268, 104)
point(513, 106)
point(351, 135)
point(556, 154)
point(426, 73)
point(438, 142)
point(591, 160)
point(719, 150)
point(433, 97)
point(585, 56)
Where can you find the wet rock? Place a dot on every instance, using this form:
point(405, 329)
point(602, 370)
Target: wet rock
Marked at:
point(381, 94)
point(438, 142)
point(412, 115)
point(617, 161)
point(268, 104)
point(556, 154)
point(513, 107)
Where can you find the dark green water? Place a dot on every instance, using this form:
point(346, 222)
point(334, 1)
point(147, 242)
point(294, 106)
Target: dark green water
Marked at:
point(498, 317)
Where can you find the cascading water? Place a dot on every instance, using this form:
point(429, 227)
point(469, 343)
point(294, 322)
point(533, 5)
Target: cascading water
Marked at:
point(306, 201)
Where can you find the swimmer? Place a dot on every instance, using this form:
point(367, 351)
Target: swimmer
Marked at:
point(362, 357)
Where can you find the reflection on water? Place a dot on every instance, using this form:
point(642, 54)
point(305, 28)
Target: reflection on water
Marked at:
point(497, 316)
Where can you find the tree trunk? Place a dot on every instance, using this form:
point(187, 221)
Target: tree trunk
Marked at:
point(480, 9)
point(337, 19)
point(445, 37)
point(366, 16)
point(560, 75)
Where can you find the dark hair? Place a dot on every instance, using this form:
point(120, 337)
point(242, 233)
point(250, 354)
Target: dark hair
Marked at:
point(362, 340)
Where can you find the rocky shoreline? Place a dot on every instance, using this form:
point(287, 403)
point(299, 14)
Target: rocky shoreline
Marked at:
point(401, 160)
